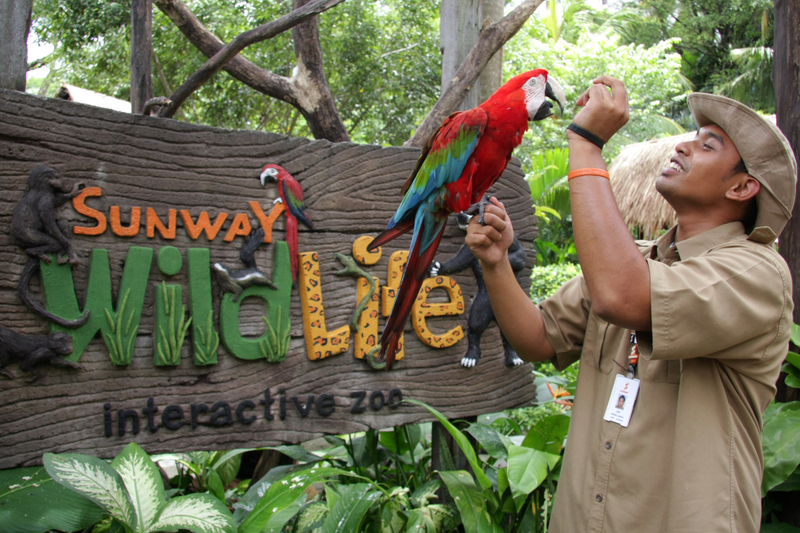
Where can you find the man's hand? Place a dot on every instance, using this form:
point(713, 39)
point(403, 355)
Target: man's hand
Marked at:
point(490, 243)
point(604, 112)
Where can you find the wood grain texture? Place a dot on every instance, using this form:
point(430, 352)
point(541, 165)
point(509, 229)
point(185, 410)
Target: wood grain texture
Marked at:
point(350, 190)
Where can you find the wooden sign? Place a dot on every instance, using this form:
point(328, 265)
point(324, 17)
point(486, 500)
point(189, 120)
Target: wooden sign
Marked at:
point(183, 344)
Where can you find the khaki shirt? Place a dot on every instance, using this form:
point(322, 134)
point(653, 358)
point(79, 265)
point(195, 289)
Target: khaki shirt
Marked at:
point(691, 459)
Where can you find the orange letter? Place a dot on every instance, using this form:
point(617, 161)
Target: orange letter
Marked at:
point(239, 226)
point(267, 221)
point(153, 223)
point(423, 309)
point(80, 206)
point(320, 342)
point(203, 223)
point(117, 227)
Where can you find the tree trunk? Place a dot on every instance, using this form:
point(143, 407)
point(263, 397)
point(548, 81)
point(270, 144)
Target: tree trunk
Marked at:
point(460, 24)
point(319, 106)
point(786, 77)
point(492, 75)
point(15, 22)
point(141, 53)
point(491, 39)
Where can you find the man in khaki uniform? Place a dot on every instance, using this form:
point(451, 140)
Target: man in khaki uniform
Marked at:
point(707, 307)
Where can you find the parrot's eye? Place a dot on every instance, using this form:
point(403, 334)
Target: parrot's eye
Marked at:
point(272, 172)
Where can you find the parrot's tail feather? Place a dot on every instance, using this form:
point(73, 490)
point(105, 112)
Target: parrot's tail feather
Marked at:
point(291, 240)
point(391, 234)
point(415, 273)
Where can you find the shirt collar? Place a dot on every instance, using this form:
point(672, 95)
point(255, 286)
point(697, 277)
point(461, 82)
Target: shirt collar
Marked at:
point(701, 243)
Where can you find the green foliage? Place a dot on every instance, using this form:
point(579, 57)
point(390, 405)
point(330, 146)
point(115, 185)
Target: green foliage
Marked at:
point(382, 61)
point(708, 31)
point(651, 75)
point(546, 280)
point(131, 491)
point(31, 502)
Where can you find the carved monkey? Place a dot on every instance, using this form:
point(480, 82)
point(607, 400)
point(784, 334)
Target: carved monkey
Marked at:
point(35, 229)
point(29, 350)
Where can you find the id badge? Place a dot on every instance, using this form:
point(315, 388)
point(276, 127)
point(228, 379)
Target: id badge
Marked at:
point(622, 400)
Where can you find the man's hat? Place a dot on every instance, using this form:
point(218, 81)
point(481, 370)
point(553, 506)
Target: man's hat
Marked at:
point(766, 154)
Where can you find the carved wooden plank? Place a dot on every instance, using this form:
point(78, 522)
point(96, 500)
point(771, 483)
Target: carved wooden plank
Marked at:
point(350, 190)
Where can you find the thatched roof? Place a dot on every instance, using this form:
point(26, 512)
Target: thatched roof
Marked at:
point(85, 96)
point(633, 178)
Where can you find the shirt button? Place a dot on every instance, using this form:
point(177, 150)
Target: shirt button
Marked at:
point(599, 497)
point(608, 445)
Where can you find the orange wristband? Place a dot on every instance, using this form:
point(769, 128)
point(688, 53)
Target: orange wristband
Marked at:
point(588, 172)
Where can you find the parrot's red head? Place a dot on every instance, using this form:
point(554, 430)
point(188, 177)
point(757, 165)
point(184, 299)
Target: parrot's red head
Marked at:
point(536, 86)
point(271, 172)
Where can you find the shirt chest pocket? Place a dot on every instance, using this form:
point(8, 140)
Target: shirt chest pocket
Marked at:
point(607, 348)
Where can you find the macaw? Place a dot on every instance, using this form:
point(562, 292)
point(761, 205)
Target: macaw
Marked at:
point(291, 194)
point(459, 163)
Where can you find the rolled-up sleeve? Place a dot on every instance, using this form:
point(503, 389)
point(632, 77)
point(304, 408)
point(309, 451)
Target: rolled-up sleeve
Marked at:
point(704, 306)
point(566, 314)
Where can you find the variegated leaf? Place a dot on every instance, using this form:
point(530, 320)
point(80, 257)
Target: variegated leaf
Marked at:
point(143, 481)
point(200, 513)
point(96, 480)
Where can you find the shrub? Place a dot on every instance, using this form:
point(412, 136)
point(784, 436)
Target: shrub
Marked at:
point(546, 280)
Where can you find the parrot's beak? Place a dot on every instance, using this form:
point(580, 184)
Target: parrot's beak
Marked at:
point(264, 178)
point(554, 91)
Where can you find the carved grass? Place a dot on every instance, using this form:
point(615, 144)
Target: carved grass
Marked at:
point(275, 346)
point(169, 343)
point(206, 343)
point(120, 341)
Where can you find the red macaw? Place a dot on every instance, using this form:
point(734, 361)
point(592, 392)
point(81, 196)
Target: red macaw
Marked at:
point(459, 163)
point(291, 194)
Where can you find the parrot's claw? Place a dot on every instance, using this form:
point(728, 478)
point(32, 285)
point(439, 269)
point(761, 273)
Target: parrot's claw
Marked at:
point(277, 201)
point(479, 209)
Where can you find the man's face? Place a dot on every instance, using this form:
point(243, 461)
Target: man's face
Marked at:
point(698, 173)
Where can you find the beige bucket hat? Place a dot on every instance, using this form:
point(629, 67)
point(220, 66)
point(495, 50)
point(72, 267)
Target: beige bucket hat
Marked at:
point(766, 154)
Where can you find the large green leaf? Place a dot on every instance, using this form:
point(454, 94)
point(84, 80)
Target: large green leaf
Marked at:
point(489, 439)
point(282, 494)
point(96, 480)
point(227, 464)
point(143, 483)
point(311, 517)
point(298, 453)
point(548, 434)
point(463, 443)
point(470, 502)
point(779, 439)
point(425, 493)
point(256, 490)
point(348, 513)
point(796, 335)
point(527, 468)
point(31, 502)
point(200, 513)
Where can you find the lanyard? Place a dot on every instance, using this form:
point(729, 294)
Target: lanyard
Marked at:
point(633, 358)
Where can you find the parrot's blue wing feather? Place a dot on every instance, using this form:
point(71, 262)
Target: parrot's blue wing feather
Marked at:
point(444, 161)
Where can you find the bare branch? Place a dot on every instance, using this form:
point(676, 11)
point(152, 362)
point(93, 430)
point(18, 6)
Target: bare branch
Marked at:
point(240, 68)
point(239, 43)
point(489, 42)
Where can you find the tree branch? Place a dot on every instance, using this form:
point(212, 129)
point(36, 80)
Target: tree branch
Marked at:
point(489, 42)
point(239, 43)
